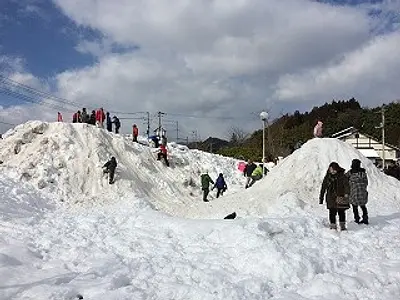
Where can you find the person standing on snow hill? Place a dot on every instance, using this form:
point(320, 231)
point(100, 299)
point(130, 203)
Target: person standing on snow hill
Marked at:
point(76, 118)
point(220, 184)
point(336, 187)
point(109, 168)
point(163, 154)
point(59, 117)
point(248, 170)
point(135, 133)
point(117, 124)
point(318, 129)
point(205, 185)
point(92, 119)
point(84, 116)
point(100, 117)
point(358, 182)
point(108, 122)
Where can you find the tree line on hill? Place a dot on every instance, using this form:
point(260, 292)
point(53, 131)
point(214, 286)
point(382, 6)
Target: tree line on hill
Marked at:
point(287, 130)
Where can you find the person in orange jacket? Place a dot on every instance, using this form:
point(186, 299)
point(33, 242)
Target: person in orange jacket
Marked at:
point(163, 154)
point(135, 133)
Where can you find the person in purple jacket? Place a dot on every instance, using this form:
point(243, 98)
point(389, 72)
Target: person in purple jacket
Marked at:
point(220, 184)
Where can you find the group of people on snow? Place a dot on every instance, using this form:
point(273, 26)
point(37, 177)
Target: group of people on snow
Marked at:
point(341, 189)
point(95, 118)
point(219, 184)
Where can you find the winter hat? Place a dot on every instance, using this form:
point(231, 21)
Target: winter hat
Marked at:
point(356, 164)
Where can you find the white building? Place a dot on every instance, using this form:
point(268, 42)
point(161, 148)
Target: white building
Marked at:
point(368, 146)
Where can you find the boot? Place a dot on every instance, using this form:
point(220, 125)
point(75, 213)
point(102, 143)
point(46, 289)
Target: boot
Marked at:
point(333, 226)
point(343, 226)
point(364, 221)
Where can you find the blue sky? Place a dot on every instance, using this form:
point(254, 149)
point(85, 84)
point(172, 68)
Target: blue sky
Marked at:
point(192, 65)
point(43, 36)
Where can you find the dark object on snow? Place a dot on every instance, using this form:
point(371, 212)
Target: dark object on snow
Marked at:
point(231, 216)
point(79, 296)
point(110, 167)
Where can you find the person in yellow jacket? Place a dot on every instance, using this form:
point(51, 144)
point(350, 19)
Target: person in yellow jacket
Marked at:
point(257, 174)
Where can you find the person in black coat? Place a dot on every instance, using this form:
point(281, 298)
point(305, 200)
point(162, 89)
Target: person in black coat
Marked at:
point(117, 124)
point(108, 122)
point(109, 168)
point(248, 170)
point(92, 119)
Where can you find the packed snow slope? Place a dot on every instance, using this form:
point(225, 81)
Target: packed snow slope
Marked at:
point(294, 185)
point(121, 248)
point(65, 161)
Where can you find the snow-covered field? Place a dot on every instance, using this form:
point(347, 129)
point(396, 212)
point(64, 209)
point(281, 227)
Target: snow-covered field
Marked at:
point(67, 234)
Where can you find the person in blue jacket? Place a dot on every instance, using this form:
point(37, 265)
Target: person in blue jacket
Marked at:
point(220, 184)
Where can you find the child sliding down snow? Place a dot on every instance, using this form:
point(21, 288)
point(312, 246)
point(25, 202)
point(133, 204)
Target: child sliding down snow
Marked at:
point(109, 168)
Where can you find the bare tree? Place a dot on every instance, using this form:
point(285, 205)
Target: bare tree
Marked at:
point(237, 135)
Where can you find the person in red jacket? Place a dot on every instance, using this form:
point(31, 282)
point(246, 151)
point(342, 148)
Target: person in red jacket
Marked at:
point(100, 117)
point(135, 132)
point(59, 117)
point(163, 154)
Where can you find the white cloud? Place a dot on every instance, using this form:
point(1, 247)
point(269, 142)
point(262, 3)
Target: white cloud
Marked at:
point(370, 73)
point(227, 58)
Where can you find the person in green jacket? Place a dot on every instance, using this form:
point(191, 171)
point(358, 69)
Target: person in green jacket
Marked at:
point(205, 185)
point(257, 174)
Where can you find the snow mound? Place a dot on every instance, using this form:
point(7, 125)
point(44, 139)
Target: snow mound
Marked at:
point(65, 160)
point(293, 186)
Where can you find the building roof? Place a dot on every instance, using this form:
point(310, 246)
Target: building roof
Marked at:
point(369, 153)
point(351, 130)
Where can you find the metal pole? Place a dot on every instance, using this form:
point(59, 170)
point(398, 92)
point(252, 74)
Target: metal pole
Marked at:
point(177, 131)
point(263, 156)
point(383, 137)
point(148, 124)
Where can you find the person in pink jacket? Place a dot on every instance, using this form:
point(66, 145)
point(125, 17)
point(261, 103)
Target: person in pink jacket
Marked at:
point(318, 129)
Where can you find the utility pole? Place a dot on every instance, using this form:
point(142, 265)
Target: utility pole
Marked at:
point(187, 140)
point(159, 123)
point(177, 131)
point(383, 136)
point(148, 124)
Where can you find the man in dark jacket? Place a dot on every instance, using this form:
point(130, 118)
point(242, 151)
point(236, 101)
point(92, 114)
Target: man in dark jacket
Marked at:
point(205, 185)
point(248, 170)
point(358, 182)
point(336, 187)
point(109, 168)
point(92, 119)
point(220, 184)
point(117, 124)
point(84, 116)
point(108, 122)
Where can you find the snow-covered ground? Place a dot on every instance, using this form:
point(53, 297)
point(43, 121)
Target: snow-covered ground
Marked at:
point(149, 236)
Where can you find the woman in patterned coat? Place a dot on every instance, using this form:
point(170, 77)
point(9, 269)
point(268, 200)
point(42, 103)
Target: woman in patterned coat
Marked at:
point(358, 182)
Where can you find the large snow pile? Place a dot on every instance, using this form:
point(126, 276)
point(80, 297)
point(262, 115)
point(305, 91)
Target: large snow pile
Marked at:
point(294, 184)
point(127, 250)
point(65, 160)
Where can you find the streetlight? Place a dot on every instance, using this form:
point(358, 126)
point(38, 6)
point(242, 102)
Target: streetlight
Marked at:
point(264, 119)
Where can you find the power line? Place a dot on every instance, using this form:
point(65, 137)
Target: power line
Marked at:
point(206, 117)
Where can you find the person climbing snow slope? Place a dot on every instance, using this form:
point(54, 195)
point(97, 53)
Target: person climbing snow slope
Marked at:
point(205, 185)
point(109, 168)
point(220, 184)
